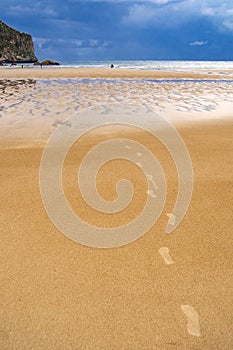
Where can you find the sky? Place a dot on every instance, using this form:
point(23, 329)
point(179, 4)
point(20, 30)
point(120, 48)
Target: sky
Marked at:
point(78, 30)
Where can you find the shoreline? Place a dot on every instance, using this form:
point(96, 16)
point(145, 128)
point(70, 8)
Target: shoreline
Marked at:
point(57, 72)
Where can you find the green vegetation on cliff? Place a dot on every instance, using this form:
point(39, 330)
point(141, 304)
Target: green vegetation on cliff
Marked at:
point(15, 46)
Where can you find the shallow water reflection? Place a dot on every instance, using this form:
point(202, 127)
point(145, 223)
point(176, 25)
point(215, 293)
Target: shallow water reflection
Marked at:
point(57, 99)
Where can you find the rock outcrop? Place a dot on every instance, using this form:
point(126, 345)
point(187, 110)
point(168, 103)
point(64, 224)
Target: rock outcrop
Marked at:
point(47, 63)
point(15, 46)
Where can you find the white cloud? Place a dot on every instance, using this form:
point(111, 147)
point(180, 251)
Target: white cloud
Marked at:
point(78, 43)
point(158, 2)
point(207, 11)
point(139, 14)
point(167, 15)
point(173, 13)
point(33, 8)
point(230, 12)
point(41, 43)
point(198, 43)
point(228, 24)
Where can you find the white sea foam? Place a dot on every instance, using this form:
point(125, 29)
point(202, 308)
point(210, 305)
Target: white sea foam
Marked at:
point(156, 65)
point(153, 65)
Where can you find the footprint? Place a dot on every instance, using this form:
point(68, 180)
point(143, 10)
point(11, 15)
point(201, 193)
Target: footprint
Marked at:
point(164, 252)
point(172, 219)
point(193, 325)
point(151, 193)
point(151, 179)
point(140, 164)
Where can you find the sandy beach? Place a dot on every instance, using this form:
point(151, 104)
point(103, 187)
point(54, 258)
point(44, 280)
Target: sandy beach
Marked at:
point(59, 72)
point(58, 294)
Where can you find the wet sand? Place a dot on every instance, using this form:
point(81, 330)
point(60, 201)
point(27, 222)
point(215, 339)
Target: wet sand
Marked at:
point(57, 294)
point(58, 72)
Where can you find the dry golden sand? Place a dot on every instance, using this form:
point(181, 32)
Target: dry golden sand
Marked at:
point(56, 294)
point(53, 73)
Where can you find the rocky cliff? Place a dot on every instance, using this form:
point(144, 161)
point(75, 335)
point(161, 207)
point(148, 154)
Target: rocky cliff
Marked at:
point(15, 46)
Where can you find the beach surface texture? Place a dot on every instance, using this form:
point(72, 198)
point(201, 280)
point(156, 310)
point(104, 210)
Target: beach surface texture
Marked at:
point(72, 72)
point(161, 291)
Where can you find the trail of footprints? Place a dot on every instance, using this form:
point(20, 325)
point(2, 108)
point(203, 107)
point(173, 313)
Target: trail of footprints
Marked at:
point(56, 98)
point(191, 315)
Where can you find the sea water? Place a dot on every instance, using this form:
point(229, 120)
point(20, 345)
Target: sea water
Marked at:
point(155, 65)
point(152, 65)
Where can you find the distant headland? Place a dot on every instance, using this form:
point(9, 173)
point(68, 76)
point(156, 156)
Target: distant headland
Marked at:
point(17, 47)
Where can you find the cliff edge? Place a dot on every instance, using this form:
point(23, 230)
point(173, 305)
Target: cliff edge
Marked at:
point(15, 46)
